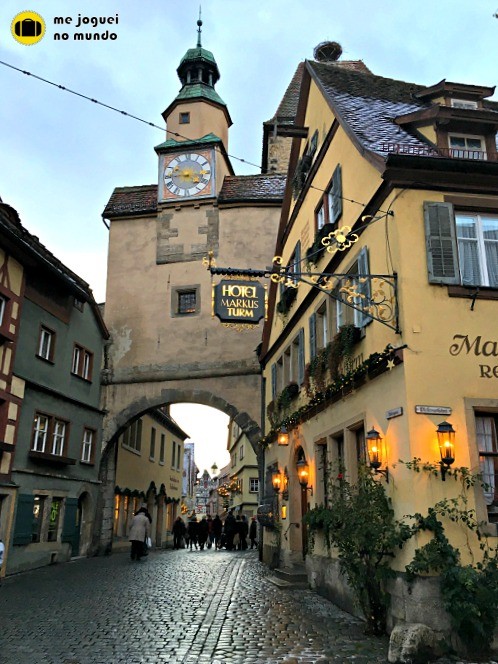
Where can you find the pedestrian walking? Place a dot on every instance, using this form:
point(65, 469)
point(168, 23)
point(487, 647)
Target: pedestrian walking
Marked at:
point(178, 533)
point(203, 533)
point(193, 531)
point(253, 533)
point(139, 531)
point(230, 529)
point(210, 531)
point(244, 531)
point(217, 529)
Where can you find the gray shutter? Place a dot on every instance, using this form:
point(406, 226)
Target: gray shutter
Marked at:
point(70, 528)
point(336, 193)
point(312, 323)
point(366, 287)
point(273, 381)
point(300, 358)
point(23, 530)
point(297, 254)
point(441, 243)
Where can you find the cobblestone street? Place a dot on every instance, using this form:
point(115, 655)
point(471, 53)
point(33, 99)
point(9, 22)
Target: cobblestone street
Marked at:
point(174, 606)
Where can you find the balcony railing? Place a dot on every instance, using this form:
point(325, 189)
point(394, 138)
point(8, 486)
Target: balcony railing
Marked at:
point(427, 151)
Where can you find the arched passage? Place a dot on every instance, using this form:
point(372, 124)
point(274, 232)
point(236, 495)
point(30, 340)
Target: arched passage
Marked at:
point(115, 424)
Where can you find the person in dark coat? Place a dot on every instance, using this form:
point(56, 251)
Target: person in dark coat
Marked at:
point(253, 533)
point(210, 531)
point(244, 530)
point(217, 528)
point(230, 529)
point(193, 531)
point(178, 533)
point(203, 533)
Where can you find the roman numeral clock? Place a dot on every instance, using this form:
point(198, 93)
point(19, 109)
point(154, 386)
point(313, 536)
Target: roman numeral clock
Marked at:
point(186, 175)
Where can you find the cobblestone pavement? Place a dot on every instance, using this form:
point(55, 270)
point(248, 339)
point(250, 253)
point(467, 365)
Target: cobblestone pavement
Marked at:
point(175, 606)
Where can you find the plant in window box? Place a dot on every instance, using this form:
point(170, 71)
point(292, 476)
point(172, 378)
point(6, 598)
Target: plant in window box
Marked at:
point(315, 252)
point(288, 394)
point(286, 300)
point(300, 174)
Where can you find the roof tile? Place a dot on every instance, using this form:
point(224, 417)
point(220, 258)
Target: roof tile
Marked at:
point(126, 201)
point(252, 188)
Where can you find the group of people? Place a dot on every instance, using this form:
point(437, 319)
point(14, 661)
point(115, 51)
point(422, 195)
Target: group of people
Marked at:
point(206, 533)
point(213, 532)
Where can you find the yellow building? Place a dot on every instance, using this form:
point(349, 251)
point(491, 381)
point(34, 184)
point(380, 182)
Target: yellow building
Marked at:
point(149, 468)
point(243, 475)
point(387, 328)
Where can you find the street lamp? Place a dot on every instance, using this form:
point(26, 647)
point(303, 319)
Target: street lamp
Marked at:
point(303, 474)
point(276, 480)
point(446, 442)
point(375, 449)
point(283, 436)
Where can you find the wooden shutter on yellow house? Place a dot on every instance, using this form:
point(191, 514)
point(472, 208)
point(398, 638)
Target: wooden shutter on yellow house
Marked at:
point(441, 243)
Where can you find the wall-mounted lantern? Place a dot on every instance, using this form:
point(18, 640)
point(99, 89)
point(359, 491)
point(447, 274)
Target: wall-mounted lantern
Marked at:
point(375, 448)
point(303, 475)
point(276, 480)
point(446, 442)
point(283, 436)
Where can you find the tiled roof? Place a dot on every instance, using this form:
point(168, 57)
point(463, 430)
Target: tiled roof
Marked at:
point(252, 188)
point(287, 108)
point(127, 201)
point(199, 91)
point(172, 143)
point(368, 104)
point(198, 53)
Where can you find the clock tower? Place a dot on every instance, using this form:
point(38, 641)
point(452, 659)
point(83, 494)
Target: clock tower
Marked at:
point(193, 160)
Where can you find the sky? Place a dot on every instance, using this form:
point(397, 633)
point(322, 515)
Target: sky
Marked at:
point(61, 156)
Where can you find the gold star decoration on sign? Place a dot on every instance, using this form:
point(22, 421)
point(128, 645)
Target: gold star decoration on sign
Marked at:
point(390, 364)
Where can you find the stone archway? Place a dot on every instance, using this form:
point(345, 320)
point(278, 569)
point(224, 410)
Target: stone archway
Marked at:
point(115, 423)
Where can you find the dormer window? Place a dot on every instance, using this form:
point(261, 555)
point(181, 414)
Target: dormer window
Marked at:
point(467, 147)
point(463, 103)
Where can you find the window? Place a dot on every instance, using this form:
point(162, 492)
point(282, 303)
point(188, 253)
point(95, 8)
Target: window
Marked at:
point(3, 306)
point(162, 448)
point(334, 196)
point(184, 118)
point(241, 452)
point(463, 103)
point(477, 237)
point(462, 248)
point(322, 327)
point(234, 460)
point(132, 437)
point(78, 304)
point(46, 344)
point(467, 147)
point(320, 217)
point(487, 444)
point(253, 485)
point(53, 523)
point(357, 314)
point(49, 435)
point(87, 447)
point(82, 363)
point(294, 266)
point(173, 455)
point(38, 506)
point(187, 302)
point(152, 453)
point(178, 456)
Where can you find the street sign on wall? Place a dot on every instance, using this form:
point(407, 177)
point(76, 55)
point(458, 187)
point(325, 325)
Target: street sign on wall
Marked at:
point(236, 301)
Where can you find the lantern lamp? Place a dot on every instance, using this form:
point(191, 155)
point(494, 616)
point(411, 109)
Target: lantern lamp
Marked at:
point(283, 436)
point(375, 450)
point(276, 480)
point(446, 442)
point(303, 474)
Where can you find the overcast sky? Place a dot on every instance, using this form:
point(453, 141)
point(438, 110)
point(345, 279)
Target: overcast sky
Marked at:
point(61, 156)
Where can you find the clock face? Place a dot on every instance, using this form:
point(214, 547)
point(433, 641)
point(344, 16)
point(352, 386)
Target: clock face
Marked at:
point(187, 174)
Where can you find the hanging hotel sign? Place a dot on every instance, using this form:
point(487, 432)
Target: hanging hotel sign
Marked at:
point(236, 301)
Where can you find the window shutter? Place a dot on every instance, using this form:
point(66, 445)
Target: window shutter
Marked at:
point(297, 254)
point(336, 193)
point(300, 358)
point(273, 381)
point(70, 528)
point(312, 323)
point(364, 287)
point(23, 530)
point(441, 244)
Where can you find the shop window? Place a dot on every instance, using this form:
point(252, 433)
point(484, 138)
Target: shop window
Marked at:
point(54, 518)
point(462, 247)
point(37, 520)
